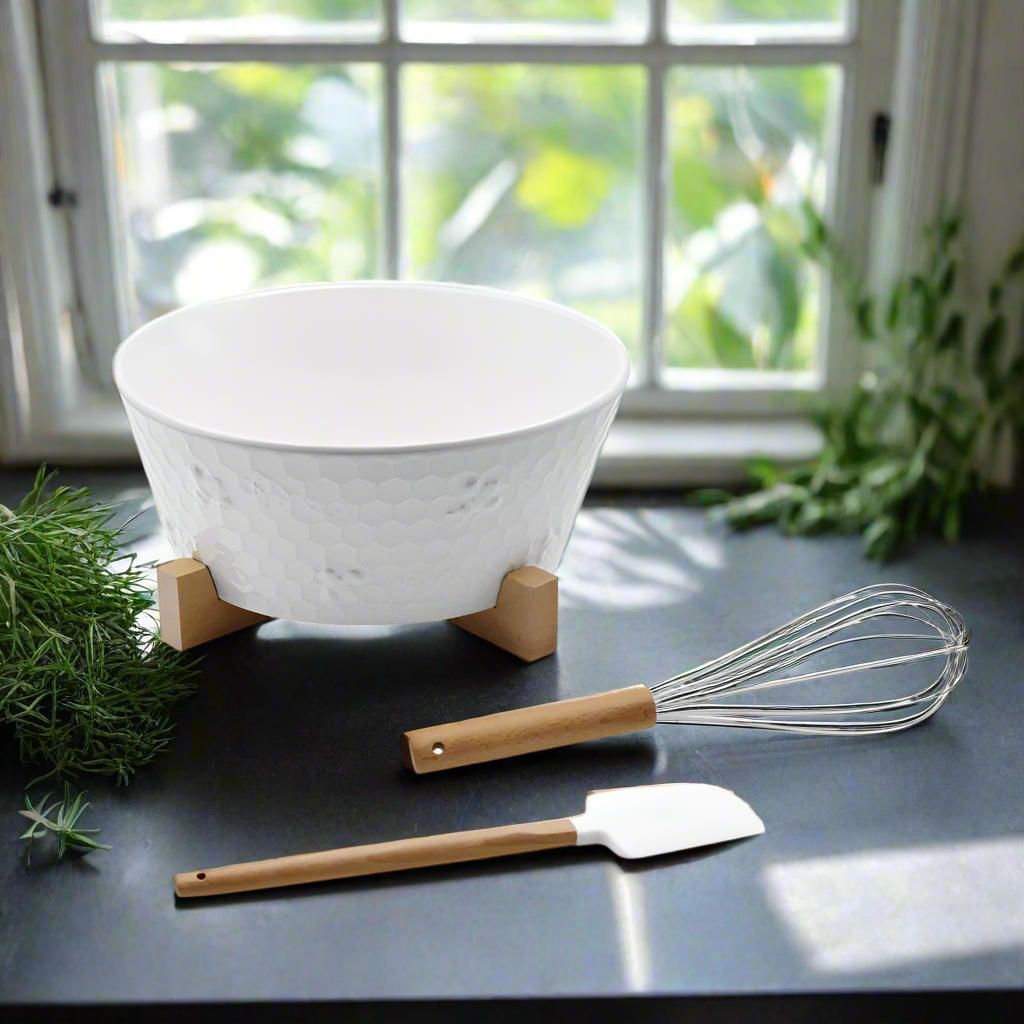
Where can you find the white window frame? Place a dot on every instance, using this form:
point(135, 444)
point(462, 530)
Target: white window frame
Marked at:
point(58, 265)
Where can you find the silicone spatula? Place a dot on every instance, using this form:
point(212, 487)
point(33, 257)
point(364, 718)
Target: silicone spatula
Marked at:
point(642, 821)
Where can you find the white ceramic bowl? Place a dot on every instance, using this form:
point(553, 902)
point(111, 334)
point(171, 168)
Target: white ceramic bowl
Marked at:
point(370, 453)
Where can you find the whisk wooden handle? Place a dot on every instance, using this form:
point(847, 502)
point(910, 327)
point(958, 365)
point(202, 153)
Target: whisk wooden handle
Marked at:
point(521, 732)
point(450, 848)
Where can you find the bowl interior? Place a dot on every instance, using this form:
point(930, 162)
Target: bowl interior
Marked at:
point(369, 366)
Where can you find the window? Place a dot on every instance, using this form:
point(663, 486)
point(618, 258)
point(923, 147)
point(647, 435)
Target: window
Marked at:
point(644, 162)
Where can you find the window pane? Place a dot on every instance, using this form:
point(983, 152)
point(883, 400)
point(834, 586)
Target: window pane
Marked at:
point(750, 20)
point(747, 148)
point(179, 21)
point(528, 178)
point(454, 21)
point(233, 177)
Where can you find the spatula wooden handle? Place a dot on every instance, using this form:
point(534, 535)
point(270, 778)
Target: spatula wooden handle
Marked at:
point(528, 729)
point(377, 858)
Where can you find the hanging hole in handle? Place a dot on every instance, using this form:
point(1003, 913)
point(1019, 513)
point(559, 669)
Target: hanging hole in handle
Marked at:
point(438, 748)
point(201, 875)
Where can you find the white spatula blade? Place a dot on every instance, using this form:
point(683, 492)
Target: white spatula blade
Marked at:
point(644, 821)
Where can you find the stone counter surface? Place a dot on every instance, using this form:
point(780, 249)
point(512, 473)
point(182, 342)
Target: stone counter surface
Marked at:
point(889, 883)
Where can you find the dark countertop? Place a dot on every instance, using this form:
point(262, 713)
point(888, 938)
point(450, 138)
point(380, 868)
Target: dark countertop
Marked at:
point(891, 866)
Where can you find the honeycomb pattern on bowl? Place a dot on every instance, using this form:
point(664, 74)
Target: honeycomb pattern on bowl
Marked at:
point(371, 539)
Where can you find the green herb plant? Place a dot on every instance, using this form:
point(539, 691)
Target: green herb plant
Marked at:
point(84, 683)
point(64, 828)
point(913, 442)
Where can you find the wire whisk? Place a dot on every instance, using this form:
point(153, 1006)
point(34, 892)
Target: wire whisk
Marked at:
point(689, 698)
point(917, 626)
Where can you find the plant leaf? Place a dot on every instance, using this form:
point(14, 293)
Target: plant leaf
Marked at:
point(990, 346)
point(815, 232)
point(880, 537)
point(1015, 262)
point(78, 840)
point(947, 229)
point(951, 521)
point(812, 516)
point(40, 820)
point(948, 279)
point(864, 312)
point(764, 471)
point(732, 349)
point(913, 517)
point(923, 306)
point(892, 316)
point(885, 473)
point(760, 506)
point(952, 334)
point(711, 496)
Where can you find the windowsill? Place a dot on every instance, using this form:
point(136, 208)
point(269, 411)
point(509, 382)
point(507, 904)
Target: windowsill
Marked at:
point(666, 453)
point(651, 452)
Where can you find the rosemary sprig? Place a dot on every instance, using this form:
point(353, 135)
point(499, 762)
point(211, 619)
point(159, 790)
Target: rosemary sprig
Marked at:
point(65, 828)
point(84, 683)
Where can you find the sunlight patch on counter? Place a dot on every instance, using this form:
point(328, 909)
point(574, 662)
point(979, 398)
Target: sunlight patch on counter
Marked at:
point(879, 909)
point(620, 559)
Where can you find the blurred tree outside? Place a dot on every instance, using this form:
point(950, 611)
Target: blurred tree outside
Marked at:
point(238, 176)
point(746, 148)
point(533, 15)
point(763, 12)
point(529, 178)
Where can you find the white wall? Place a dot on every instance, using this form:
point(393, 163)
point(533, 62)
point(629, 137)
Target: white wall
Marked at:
point(994, 185)
point(993, 191)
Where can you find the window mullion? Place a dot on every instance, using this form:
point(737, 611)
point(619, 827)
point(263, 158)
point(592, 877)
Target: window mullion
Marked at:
point(653, 226)
point(646, 375)
point(392, 199)
point(659, 17)
point(867, 89)
point(101, 314)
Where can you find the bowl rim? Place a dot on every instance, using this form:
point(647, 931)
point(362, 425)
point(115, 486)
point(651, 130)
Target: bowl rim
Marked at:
point(610, 394)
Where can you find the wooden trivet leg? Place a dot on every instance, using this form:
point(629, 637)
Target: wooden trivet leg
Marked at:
point(190, 610)
point(524, 622)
